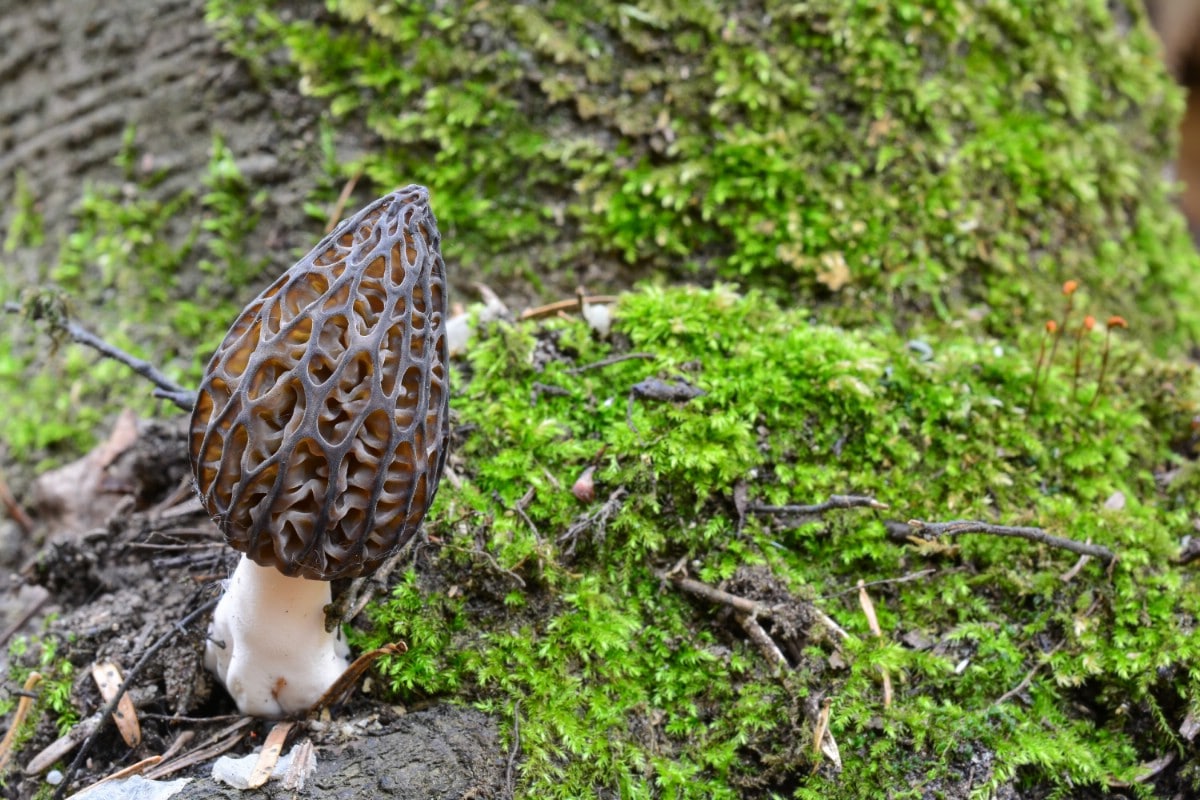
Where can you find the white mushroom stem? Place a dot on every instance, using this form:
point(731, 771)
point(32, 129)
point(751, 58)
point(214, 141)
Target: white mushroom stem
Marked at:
point(268, 642)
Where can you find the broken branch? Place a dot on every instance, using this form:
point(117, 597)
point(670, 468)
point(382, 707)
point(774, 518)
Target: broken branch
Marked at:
point(167, 389)
point(834, 501)
point(747, 607)
point(933, 530)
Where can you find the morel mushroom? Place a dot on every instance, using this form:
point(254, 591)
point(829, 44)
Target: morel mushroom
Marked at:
point(317, 441)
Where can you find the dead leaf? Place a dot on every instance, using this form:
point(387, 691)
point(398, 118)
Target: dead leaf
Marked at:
point(72, 499)
point(834, 272)
point(108, 678)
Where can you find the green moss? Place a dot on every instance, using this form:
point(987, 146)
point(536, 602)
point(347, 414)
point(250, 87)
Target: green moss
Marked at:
point(880, 160)
point(622, 684)
point(898, 191)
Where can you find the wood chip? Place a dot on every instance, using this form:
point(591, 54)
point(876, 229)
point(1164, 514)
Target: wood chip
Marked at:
point(269, 757)
point(58, 750)
point(304, 761)
point(108, 678)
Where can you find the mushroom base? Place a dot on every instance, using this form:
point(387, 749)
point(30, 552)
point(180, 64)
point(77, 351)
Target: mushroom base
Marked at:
point(268, 644)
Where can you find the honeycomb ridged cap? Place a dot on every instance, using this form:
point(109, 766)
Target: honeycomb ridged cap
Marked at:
point(319, 431)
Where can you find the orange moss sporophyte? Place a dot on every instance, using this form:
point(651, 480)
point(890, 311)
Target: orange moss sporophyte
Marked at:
point(1051, 328)
point(1114, 321)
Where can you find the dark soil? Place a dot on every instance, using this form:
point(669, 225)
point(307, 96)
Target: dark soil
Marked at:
point(120, 589)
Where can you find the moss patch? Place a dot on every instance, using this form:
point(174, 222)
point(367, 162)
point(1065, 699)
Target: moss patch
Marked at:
point(898, 191)
point(557, 613)
point(883, 160)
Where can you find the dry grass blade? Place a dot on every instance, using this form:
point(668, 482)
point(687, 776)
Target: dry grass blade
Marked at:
point(823, 741)
point(125, 772)
point(342, 686)
point(868, 608)
point(552, 309)
point(108, 679)
point(23, 707)
point(269, 757)
point(218, 743)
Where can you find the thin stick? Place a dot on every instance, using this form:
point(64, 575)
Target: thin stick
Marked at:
point(111, 705)
point(912, 576)
point(125, 772)
point(1027, 680)
point(491, 559)
point(607, 362)
point(343, 198)
point(167, 389)
point(349, 678)
point(14, 509)
point(766, 645)
point(1070, 574)
point(741, 604)
point(215, 745)
point(552, 309)
point(834, 501)
point(26, 615)
point(23, 706)
point(933, 530)
point(362, 590)
point(190, 720)
point(510, 769)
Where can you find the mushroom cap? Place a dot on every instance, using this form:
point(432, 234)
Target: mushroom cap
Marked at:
point(319, 431)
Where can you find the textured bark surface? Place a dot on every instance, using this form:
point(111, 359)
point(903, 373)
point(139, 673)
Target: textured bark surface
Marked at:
point(75, 76)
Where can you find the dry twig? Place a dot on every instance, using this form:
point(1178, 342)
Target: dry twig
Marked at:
point(343, 198)
point(552, 309)
point(598, 520)
point(1028, 679)
point(765, 644)
point(26, 615)
point(510, 771)
point(932, 530)
point(835, 501)
point(362, 590)
point(167, 388)
point(14, 509)
point(23, 706)
point(748, 607)
point(911, 576)
point(221, 741)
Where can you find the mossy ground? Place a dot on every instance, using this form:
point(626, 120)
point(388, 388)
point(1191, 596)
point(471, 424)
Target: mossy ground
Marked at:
point(620, 682)
point(899, 191)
